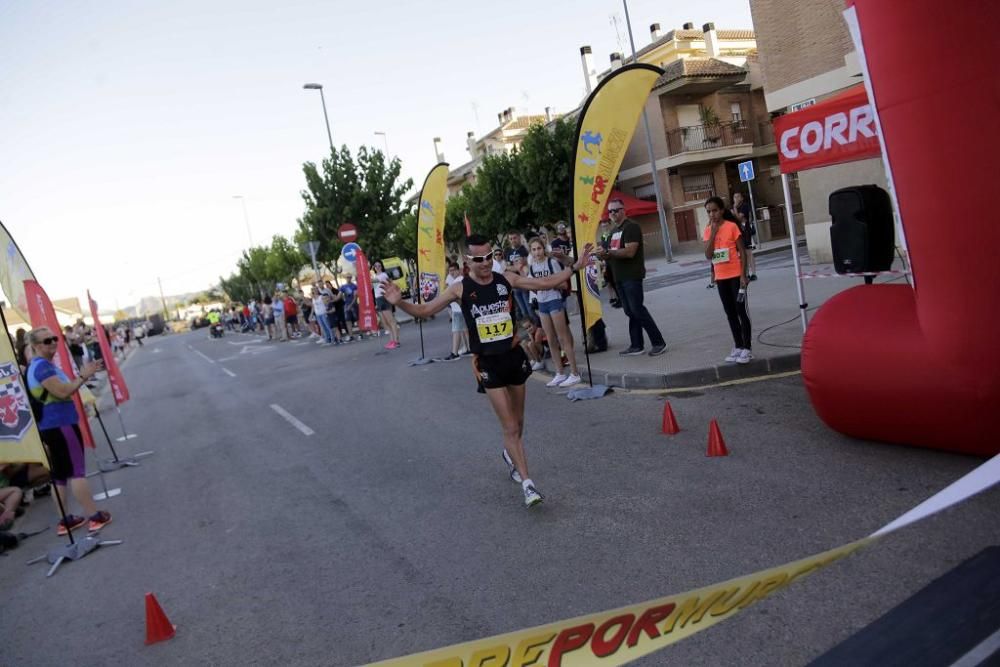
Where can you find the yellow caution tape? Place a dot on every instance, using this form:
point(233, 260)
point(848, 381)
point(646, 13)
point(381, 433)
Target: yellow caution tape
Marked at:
point(622, 635)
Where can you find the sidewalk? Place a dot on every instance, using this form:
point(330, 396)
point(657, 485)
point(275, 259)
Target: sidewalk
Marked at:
point(692, 321)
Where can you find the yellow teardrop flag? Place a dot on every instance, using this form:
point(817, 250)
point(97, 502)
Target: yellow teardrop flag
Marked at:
point(430, 233)
point(604, 131)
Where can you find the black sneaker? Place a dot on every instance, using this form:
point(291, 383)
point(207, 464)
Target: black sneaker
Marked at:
point(753, 276)
point(657, 350)
point(631, 352)
point(451, 357)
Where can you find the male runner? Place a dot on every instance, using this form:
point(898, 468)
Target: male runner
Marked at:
point(486, 299)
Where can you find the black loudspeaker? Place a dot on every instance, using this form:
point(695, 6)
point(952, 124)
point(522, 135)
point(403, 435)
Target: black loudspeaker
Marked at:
point(862, 233)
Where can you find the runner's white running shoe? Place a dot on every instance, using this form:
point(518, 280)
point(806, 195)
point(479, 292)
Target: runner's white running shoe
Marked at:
point(515, 476)
point(531, 495)
point(745, 357)
point(734, 355)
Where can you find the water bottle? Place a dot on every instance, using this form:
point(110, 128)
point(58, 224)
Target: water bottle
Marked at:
point(742, 296)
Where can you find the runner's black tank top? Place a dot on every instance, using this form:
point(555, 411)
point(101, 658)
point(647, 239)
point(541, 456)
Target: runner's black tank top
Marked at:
point(489, 315)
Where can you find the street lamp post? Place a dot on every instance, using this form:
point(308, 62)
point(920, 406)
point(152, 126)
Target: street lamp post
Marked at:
point(664, 229)
point(385, 138)
point(246, 218)
point(319, 87)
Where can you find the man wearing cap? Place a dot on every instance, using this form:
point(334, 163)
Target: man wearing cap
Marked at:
point(628, 266)
point(561, 245)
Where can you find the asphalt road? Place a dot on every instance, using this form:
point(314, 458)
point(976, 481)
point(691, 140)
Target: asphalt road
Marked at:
point(393, 527)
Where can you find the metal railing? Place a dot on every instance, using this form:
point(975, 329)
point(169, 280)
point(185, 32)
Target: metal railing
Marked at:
point(705, 137)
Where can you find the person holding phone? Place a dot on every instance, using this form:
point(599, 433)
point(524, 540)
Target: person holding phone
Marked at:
point(724, 247)
point(59, 427)
point(486, 299)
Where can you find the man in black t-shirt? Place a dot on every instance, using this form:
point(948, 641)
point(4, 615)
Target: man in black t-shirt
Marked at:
point(517, 256)
point(561, 245)
point(628, 265)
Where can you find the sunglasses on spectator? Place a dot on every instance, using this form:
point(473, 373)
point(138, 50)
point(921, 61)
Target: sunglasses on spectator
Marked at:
point(49, 341)
point(478, 259)
point(615, 210)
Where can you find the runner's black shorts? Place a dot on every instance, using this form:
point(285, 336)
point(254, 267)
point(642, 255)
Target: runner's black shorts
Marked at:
point(511, 368)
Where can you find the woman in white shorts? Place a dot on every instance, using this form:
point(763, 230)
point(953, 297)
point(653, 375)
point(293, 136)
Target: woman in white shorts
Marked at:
point(552, 313)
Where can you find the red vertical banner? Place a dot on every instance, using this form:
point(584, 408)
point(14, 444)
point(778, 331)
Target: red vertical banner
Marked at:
point(468, 225)
point(119, 390)
point(42, 314)
point(367, 318)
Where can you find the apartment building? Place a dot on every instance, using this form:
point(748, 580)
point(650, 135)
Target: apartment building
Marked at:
point(707, 114)
point(806, 56)
point(502, 139)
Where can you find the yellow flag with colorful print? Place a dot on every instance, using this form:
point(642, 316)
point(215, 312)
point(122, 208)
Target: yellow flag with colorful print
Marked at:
point(604, 131)
point(430, 233)
point(19, 439)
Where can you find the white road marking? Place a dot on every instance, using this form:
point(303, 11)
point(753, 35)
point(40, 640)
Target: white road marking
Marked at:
point(304, 342)
point(203, 356)
point(227, 371)
point(291, 419)
point(255, 350)
point(249, 342)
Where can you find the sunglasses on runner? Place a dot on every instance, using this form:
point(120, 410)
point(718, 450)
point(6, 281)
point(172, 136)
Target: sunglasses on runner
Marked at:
point(615, 210)
point(48, 341)
point(478, 259)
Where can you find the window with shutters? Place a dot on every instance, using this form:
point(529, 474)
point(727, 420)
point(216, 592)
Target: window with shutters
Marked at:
point(698, 187)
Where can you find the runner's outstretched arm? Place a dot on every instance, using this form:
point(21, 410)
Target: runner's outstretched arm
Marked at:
point(549, 282)
point(422, 310)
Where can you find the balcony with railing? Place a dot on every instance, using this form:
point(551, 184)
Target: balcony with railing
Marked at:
point(709, 143)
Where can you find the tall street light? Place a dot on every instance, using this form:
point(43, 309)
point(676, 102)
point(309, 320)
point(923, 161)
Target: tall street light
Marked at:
point(385, 138)
point(246, 218)
point(319, 87)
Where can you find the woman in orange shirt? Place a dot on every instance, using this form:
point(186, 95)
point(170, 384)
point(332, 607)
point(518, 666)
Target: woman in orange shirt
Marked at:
point(724, 247)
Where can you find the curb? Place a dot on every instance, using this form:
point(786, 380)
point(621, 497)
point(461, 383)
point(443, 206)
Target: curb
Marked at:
point(700, 376)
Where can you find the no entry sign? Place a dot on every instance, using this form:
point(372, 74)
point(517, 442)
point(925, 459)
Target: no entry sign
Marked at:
point(347, 232)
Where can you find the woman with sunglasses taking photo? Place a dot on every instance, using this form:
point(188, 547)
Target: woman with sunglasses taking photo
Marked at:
point(59, 429)
point(487, 302)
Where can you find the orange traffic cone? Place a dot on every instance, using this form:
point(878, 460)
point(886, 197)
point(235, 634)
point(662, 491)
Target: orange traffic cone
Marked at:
point(670, 426)
point(158, 626)
point(716, 445)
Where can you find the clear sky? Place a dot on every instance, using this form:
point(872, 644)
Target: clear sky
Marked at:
point(127, 127)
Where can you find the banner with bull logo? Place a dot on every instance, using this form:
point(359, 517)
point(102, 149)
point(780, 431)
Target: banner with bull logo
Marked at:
point(42, 314)
point(430, 233)
point(367, 317)
point(19, 440)
point(604, 131)
point(119, 390)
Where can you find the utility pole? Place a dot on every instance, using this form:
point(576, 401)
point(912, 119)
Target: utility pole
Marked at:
point(166, 313)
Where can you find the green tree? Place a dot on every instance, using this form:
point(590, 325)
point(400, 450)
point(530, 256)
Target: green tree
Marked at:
point(498, 202)
point(366, 191)
point(545, 167)
point(284, 260)
point(404, 238)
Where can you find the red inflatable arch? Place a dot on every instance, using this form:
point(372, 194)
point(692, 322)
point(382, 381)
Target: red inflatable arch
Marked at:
point(921, 366)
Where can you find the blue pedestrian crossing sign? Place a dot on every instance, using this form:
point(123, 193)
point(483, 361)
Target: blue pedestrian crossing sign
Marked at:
point(350, 252)
point(746, 171)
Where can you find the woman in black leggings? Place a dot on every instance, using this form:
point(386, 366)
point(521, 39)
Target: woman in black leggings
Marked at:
point(724, 247)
